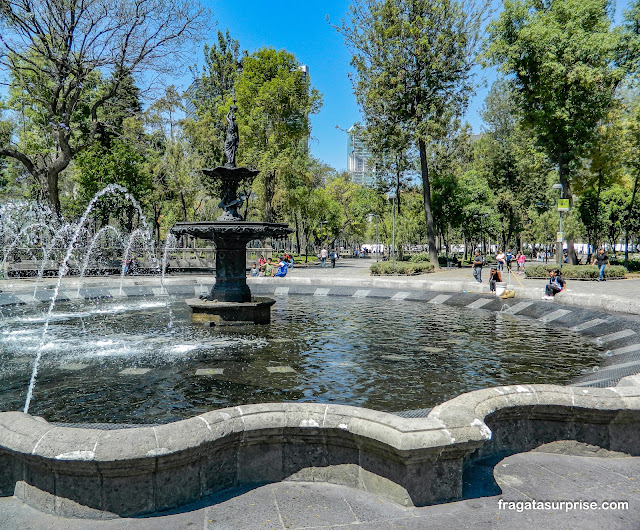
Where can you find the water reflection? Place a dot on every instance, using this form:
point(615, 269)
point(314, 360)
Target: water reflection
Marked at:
point(384, 355)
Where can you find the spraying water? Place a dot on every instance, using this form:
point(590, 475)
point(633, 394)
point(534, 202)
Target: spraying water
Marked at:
point(47, 252)
point(94, 240)
point(170, 242)
point(139, 233)
point(111, 188)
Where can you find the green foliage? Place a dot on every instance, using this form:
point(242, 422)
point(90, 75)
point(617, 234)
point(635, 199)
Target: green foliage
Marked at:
point(561, 57)
point(632, 266)
point(275, 101)
point(413, 61)
point(120, 164)
point(575, 272)
point(401, 267)
point(419, 258)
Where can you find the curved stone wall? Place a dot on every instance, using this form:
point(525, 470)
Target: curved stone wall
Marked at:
point(129, 472)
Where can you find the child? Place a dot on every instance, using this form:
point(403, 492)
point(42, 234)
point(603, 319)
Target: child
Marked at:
point(254, 270)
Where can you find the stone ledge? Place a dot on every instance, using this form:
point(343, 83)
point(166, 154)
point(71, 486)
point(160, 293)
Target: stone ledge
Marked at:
point(127, 472)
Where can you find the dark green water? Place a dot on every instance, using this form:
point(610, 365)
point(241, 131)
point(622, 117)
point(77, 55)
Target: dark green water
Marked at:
point(385, 355)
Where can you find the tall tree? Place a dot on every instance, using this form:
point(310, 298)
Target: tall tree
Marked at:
point(561, 56)
point(56, 50)
point(211, 93)
point(413, 61)
point(275, 100)
point(515, 169)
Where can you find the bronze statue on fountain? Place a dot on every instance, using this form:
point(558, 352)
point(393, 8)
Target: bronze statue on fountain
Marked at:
point(230, 299)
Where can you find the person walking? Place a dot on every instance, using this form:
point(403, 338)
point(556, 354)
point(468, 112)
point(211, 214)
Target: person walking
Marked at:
point(477, 266)
point(520, 260)
point(601, 260)
point(323, 256)
point(333, 256)
point(501, 259)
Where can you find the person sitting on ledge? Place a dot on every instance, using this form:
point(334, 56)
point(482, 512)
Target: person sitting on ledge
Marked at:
point(494, 276)
point(556, 284)
point(282, 268)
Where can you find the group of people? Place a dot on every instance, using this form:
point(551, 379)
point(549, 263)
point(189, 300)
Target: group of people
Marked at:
point(267, 267)
point(504, 259)
point(556, 281)
point(333, 256)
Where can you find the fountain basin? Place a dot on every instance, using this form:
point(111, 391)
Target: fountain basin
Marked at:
point(95, 473)
point(215, 313)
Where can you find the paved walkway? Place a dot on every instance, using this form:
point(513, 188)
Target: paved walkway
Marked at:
point(560, 472)
point(533, 476)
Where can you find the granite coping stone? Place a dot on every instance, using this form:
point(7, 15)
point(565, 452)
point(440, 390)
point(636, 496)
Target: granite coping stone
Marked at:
point(451, 433)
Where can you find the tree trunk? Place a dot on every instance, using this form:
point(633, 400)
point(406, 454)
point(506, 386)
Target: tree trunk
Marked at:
point(295, 217)
point(628, 219)
point(426, 195)
point(184, 207)
point(564, 180)
point(269, 192)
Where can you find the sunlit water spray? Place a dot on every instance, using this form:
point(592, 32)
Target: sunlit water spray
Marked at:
point(112, 188)
point(94, 240)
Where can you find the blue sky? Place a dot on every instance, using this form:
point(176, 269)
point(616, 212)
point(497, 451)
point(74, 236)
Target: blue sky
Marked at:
point(300, 27)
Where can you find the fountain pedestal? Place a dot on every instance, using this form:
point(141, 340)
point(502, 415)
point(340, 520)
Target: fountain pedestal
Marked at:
point(230, 300)
point(215, 313)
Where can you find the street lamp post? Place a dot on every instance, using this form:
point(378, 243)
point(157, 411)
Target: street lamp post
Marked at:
point(391, 195)
point(560, 238)
point(377, 248)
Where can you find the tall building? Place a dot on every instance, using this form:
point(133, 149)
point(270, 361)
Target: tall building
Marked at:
point(359, 160)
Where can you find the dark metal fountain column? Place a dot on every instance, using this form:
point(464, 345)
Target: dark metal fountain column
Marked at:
point(230, 297)
point(231, 275)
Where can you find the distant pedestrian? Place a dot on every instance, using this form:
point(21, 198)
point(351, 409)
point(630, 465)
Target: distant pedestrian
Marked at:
point(478, 261)
point(501, 259)
point(333, 256)
point(520, 260)
point(324, 254)
point(509, 258)
point(601, 260)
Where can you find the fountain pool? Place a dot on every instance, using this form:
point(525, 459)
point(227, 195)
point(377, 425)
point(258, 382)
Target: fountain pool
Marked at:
point(142, 360)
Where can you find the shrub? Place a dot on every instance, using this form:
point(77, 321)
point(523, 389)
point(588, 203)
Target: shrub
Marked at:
point(419, 258)
point(575, 272)
point(386, 267)
point(634, 264)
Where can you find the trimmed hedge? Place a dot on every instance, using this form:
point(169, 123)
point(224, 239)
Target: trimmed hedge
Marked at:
point(386, 267)
point(419, 258)
point(634, 264)
point(574, 272)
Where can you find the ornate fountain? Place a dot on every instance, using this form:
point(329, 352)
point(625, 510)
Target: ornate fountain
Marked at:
point(230, 300)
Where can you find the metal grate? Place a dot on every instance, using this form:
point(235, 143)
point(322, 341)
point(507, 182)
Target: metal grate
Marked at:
point(416, 413)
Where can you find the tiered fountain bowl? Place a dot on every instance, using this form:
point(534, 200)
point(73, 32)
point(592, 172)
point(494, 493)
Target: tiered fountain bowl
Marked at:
point(230, 301)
